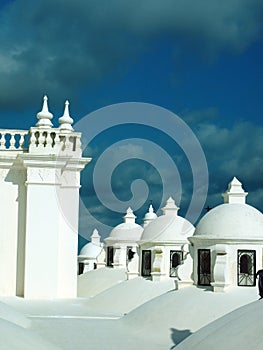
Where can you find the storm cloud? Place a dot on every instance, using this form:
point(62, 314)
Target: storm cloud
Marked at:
point(63, 46)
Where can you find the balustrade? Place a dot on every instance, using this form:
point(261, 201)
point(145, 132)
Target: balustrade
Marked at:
point(13, 139)
point(40, 141)
point(54, 141)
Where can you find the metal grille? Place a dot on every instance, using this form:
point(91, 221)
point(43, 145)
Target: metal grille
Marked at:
point(204, 267)
point(110, 256)
point(246, 268)
point(176, 258)
point(146, 263)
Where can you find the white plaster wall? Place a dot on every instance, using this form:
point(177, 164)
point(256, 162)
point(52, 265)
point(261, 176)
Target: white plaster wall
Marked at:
point(21, 232)
point(42, 241)
point(8, 236)
point(231, 257)
point(68, 242)
point(184, 270)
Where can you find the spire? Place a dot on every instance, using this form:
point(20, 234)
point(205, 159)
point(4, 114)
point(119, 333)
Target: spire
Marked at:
point(150, 216)
point(129, 217)
point(170, 207)
point(65, 121)
point(44, 117)
point(95, 237)
point(235, 192)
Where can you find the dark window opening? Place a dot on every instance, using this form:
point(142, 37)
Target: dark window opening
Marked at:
point(110, 255)
point(130, 254)
point(204, 267)
point(176, 258)
point(81, 268)
point(246, 267)
point(146, 263)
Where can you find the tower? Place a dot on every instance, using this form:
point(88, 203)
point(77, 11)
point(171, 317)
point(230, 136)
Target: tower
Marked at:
point(41, 229)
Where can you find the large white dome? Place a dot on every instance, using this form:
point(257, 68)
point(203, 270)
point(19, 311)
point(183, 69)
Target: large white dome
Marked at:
point(231, 221)
point(240, 329)
point(168, 228)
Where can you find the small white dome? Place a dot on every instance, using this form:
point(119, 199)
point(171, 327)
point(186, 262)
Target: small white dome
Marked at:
point(150, 215)
point(126, 232)
point(168, 228)
point(90, 250)
point(231, 220)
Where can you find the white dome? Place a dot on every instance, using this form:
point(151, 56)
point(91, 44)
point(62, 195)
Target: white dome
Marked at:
point(18, 338)
point(240, 329)
point(150, 216)
point(168, 228)
point(231, 221)
point(127, 231)
point(90, 250)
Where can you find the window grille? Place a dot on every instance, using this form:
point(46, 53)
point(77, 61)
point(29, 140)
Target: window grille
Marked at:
point(246, 268)
point(146, 263)
point(204, 267)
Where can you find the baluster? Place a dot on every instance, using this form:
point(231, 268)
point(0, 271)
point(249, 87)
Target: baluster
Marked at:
point(2, 141)
point(33, 139)
point(21, 141)
point(41, 140)
point(57, 143)
point(49, 140)
point(78, 143)
point(67, 144)
point(12, 141)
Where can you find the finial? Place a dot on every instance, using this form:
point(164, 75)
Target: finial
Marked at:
point(129, 217)
point(235, 192)
point(65, 121)
point(151, 208)
point(44, 116)
point(170, 207)
point(150, 216)
point(95, 237)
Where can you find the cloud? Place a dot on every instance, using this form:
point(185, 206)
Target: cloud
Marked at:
point(237, 151)
point(61, 46)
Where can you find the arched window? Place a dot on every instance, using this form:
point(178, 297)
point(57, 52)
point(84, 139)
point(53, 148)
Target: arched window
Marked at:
point(245, 263)
point(176, 258)
point(246, 268)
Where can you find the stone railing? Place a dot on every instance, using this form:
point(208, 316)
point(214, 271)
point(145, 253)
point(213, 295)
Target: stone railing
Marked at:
point(54, 141)
point(44, 141)
point(13, 140)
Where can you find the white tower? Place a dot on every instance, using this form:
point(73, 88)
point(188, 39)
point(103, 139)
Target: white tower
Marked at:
point(44, 183)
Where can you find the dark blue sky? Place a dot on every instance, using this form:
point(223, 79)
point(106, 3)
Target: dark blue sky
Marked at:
point(201, 60)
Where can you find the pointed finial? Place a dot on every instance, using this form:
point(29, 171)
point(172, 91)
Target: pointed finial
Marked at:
point(95, 237)
point(129, 217)
point(44, 116)
point(170, 207)
point(235, 192)
point(66, 121)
